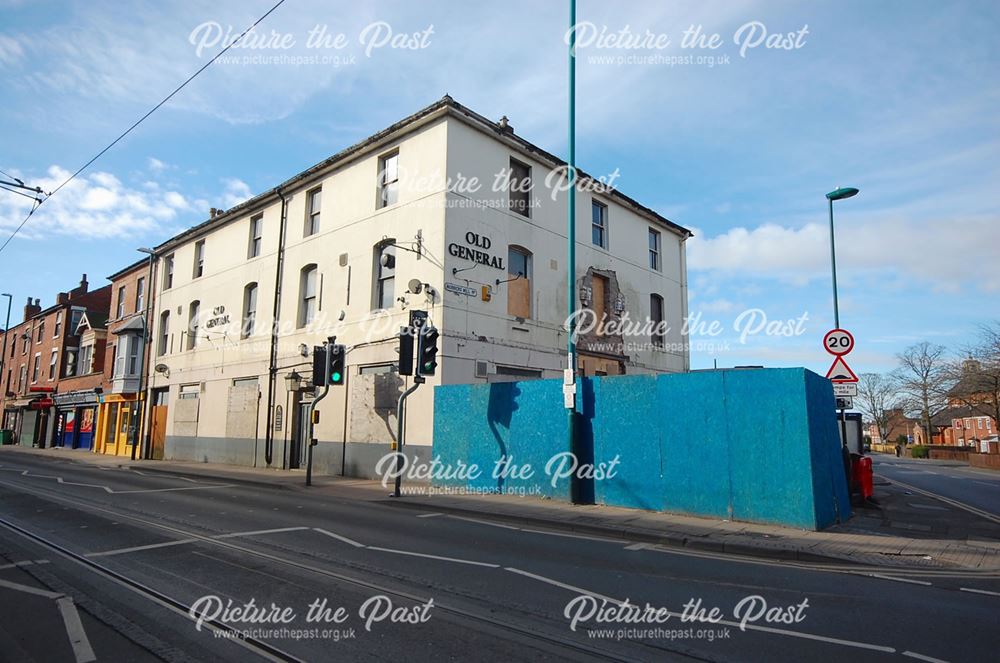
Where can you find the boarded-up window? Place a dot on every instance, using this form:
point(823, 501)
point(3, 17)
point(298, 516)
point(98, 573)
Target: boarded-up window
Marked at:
point(600, 289)
point(241, 411)
point(656, 319)
point(186, 411)
point(519, 288)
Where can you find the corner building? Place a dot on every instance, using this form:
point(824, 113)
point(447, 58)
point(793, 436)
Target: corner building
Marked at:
point(445, 211)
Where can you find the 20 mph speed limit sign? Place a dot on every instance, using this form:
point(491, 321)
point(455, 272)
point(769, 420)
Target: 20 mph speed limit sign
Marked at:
point(838, 342)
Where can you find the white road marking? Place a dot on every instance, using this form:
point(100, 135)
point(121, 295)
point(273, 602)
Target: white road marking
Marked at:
point(82, 650)
point(18, 587)
point(563, 585)
point(637, 546)
point(978, 591)
point(167, 490)
point(428, 515)
point(575, 536)
point(539, 531)
point(258, 532)
point(485, 522)
point(112, 491)
point(151, 546)
point(339, 537)
point(438, 557)
point(750, 627)
point(912, 582)
point(164, 476)
point(26, 562)
point(921, 657)
point(947, 500)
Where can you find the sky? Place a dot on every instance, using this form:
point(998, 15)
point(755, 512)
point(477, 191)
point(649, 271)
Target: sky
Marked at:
point(739, 142)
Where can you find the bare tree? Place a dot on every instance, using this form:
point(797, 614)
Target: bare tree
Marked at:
point(976, 377)
point(923, 379)
point(878, 394)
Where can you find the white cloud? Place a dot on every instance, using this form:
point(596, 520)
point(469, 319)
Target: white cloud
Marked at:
point(945, 253)
point(95, 205)
point(155, 165)
point(11, 50)
point(236, 191)
point(176, 200)
point(716, 306)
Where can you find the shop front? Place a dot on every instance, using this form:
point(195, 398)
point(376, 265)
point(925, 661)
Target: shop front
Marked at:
point(28, 419)
point(113, 433)
point(76, 415)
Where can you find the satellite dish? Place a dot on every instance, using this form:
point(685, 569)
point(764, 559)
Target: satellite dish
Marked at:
point(415, 286)
point(387, 260)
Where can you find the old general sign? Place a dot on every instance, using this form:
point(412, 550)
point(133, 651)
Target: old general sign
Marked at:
point(476, 251)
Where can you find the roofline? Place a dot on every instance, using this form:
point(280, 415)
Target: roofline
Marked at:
point(142, 262)
point(446, 106)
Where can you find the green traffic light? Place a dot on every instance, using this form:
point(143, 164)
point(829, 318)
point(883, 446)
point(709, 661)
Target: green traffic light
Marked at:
point(335, 377)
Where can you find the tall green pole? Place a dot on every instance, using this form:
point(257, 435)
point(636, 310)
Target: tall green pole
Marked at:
point(571, 253)
point(833, 265)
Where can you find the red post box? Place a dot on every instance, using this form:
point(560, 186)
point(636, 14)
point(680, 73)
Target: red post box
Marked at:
point(865, 477)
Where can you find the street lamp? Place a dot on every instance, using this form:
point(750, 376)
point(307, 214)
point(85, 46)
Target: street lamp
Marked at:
point(139, 397)
point(840, 193)
point(293, 381)
point(6, 330)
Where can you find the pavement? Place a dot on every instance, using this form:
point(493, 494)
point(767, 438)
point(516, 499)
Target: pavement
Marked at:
point(902, 528)
point(143, 549)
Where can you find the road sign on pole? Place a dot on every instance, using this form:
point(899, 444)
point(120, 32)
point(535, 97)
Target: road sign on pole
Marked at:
point(838, 342)
point(845, 402)
point(841, 372)
point(845, 389)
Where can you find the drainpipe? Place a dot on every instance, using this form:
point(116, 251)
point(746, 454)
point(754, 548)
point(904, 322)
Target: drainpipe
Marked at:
point(272, 368)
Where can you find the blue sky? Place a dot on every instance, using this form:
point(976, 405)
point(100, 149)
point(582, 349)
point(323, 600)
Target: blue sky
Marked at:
point(898, 98)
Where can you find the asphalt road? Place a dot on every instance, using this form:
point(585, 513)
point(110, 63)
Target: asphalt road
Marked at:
point(979, 489)
point(136, 552)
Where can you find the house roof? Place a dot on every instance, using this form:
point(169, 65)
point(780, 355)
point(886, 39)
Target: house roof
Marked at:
point(446, 106)
point(141, 262)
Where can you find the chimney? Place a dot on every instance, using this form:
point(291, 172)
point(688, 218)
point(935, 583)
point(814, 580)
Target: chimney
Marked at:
point(505, 127)
point(80, 289)
point(31, 309)
point(213, 212)
point(62, 298)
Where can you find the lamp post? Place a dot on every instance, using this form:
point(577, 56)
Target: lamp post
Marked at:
point(569, 381)
point(840, 193)
point(140, 392)
point(6, 331)
point(3, 358)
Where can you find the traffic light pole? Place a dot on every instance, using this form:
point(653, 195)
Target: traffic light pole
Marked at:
point(400, 411)
point(312, 409)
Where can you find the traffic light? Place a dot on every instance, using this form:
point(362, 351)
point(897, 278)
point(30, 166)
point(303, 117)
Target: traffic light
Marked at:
point(338, 355)
point(319, 365)
point(427, 349)
point(406, 350)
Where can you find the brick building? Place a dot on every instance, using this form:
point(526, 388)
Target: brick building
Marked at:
point(52, 369)
point(119, 409)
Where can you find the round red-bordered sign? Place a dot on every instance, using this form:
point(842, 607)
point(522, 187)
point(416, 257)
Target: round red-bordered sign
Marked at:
point(838, 342)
